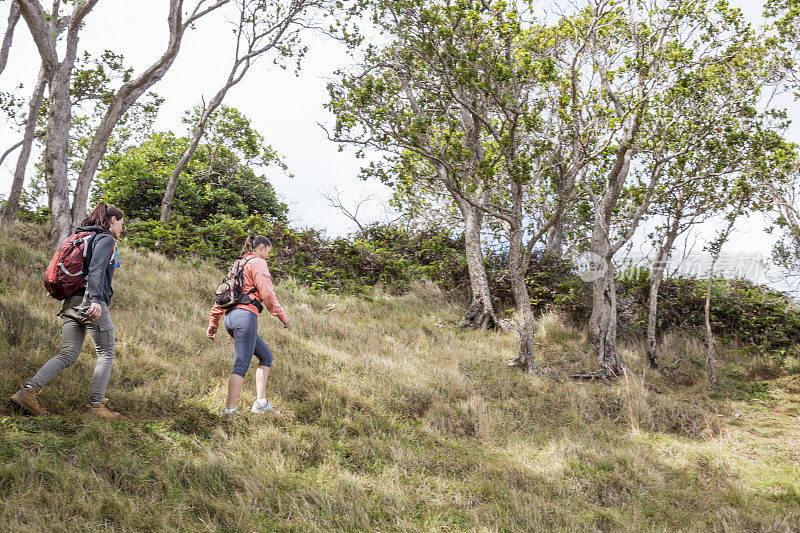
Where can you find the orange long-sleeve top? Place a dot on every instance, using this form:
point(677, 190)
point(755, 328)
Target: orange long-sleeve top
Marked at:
point(256, 275)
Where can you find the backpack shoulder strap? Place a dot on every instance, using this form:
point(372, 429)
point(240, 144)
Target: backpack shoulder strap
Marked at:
point(253, 301)
point(235, 269)
point(91, 242)
point(240, 266)
point(88, 248)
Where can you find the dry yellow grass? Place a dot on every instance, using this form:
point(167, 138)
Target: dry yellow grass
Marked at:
point(392, 419)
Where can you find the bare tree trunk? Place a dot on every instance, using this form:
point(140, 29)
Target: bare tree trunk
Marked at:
point(517, 266)
point(56, 155)
point(56, 152)
point(711, 358)
point(127, 96)
point(34, 106)
point(480, 312)
point(199, 129)
point(13, 17)
point(656, 277)
point(527, 327)
point(652, 314)
point(555, 240)
point(603, 323)
point(172, 183)
point(58, 74)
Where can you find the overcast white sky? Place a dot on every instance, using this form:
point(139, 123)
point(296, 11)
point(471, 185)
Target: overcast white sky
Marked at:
point(286, 109)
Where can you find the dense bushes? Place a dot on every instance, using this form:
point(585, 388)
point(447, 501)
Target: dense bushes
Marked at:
point(755, 317)
point(758, 318)
point(761, 319)
point(381, 255)
point(217, 180)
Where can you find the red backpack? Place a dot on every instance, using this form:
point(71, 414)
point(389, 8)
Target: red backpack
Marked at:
point(65, 274)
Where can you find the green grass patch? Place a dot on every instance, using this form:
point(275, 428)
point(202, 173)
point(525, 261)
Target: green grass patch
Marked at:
point(391, 420)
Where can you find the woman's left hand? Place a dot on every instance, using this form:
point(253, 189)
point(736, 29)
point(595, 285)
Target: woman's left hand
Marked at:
point(211, 333)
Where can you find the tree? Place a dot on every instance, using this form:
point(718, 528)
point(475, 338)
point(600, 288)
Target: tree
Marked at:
point(465, 100)
point(58, 71)
point(92, 87)
point(784, 40)
point(782, 194)
point(399, 103)
point(5, 47)
point(130, 92)
point(220, 178)
point(728, 174)
point(743, 200)
point(639, 63)
point(262, 27)
point(32, 120)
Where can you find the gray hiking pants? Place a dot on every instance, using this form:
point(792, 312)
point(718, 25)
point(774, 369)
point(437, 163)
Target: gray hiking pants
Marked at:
point(73, 333)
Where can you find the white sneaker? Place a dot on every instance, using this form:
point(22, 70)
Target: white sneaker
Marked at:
point(262, 406)
point(228, 414)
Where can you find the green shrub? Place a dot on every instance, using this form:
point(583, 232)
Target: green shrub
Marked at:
point(760, 319)
point(381, 255)
point(222, 177)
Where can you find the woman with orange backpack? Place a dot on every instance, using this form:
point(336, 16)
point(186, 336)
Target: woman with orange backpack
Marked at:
point(250, 279)
point(85, 309)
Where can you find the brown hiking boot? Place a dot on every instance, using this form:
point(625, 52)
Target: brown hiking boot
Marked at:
point(101, 410)
point(27, 399)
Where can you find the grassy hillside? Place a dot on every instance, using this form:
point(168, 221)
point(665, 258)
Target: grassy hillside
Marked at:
point(392, 419)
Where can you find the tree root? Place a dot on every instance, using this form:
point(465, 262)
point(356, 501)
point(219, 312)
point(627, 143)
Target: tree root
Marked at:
point(476, 318)
point(536, 369)
point(592, 375)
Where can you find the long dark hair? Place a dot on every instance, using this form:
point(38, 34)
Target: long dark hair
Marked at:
point(254, 241)
point(101, 215)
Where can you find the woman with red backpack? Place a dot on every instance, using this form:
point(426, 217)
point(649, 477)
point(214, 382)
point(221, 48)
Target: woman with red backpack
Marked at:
point(86, 309)
point(241, 323)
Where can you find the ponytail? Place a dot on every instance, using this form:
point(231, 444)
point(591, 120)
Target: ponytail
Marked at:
point(101, 215)
point(254, 241)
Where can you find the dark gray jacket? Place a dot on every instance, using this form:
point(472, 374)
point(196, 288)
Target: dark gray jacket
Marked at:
point(101, 259)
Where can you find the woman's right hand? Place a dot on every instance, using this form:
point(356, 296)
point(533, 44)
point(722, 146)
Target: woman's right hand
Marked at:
point(286, 324)
point(94, 311)
point(211, 333)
